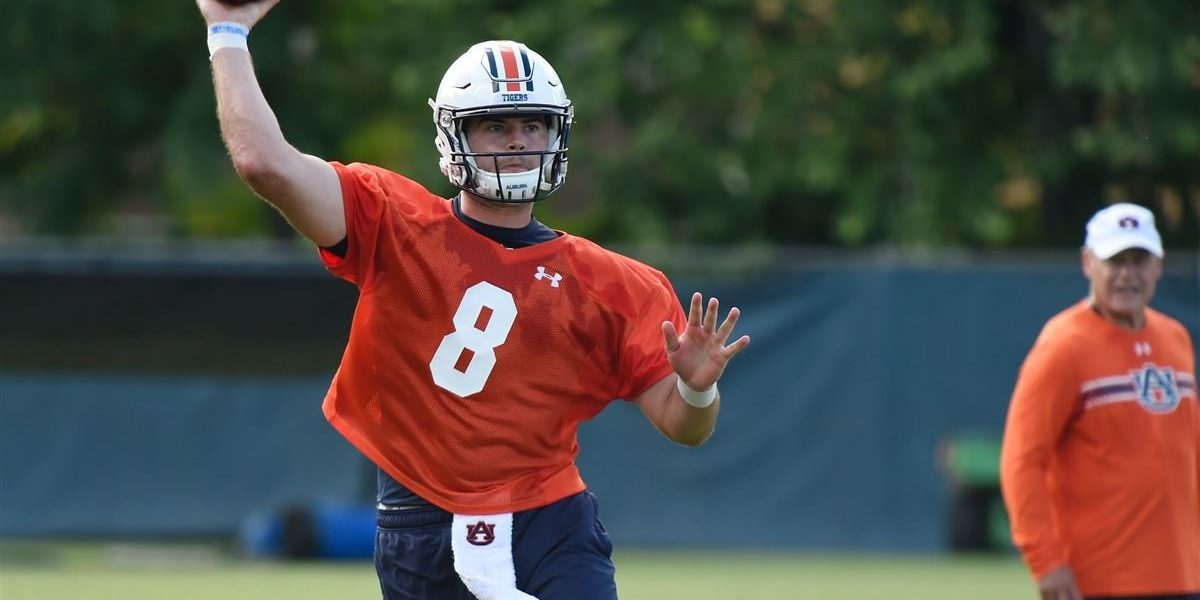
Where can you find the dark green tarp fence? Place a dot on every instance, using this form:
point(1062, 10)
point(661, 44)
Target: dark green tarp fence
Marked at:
point(143, 398)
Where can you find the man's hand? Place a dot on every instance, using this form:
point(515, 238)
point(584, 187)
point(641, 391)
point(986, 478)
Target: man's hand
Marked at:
point(246, 14)
point(1059, 584)
point(699, 355)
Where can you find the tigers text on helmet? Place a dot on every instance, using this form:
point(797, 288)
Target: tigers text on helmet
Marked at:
point(501, 79)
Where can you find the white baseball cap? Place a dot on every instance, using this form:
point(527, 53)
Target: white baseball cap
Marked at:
point(1120, 227)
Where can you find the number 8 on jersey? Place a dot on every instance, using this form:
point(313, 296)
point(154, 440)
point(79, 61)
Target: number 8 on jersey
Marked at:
point(480, 344)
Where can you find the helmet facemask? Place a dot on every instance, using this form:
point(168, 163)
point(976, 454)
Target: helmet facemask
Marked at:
point(501, 80)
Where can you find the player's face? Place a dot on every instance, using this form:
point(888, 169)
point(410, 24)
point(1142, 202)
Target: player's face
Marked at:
point(508, 134)
point(1123, 284)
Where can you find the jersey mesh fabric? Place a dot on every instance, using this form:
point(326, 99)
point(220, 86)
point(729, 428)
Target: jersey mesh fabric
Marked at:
point(1098, 475)
point(585, 329)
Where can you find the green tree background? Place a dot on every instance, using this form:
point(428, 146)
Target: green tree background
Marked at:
point(927, 123)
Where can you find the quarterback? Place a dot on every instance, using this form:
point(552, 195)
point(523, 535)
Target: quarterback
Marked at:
point(481, 338)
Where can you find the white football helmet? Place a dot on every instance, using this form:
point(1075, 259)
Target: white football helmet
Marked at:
point(504, 79)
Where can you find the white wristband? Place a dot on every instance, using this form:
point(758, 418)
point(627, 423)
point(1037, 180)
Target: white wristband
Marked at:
point(694, 398)
point(227, 35)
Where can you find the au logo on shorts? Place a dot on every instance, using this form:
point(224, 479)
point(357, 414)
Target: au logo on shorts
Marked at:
point(1157, 390)
point(481, 533)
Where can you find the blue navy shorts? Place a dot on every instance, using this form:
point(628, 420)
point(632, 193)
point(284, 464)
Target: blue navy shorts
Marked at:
point(560, 551)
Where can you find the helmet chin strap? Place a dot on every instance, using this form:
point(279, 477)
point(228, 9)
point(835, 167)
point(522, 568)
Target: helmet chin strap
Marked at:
point(525, 186)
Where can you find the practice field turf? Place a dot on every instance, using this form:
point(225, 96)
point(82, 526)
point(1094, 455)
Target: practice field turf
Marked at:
point(141, 572)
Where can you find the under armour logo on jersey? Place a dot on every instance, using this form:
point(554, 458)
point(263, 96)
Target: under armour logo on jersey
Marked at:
point(553, 277)
point(1157, 390)
point(1141, 348)
point(481, 533)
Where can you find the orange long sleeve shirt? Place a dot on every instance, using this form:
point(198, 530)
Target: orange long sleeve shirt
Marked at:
point(1100, 467)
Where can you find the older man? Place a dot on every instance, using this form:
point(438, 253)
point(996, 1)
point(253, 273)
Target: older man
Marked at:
point(1100, 467)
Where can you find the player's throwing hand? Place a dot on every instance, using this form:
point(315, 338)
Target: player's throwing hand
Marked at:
point(246, 13)
point(699, 355)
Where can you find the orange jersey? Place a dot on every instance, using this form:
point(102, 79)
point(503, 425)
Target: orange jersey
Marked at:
point(469, 365)
point(1100, 466)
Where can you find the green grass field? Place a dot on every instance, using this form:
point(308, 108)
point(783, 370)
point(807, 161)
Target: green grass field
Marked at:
point(34, 571)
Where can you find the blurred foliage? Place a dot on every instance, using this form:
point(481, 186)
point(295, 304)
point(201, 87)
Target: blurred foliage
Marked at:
point(970, 123)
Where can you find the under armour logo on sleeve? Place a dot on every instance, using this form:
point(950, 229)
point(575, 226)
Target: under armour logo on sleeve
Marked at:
point(1141, 348)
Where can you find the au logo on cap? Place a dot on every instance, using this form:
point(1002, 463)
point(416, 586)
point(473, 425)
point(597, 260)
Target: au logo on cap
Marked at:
point(1120, 227)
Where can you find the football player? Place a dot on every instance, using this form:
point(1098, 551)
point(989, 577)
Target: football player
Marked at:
point(482, 338)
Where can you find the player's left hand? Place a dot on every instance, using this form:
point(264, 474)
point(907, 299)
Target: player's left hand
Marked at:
point(699, 355)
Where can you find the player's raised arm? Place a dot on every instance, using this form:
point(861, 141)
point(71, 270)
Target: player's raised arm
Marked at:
point(683, 406)
point(303, 187)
